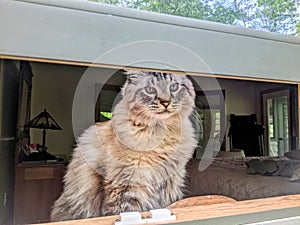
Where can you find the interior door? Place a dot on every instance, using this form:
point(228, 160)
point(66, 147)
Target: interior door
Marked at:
point(279, 116)
point(9, 86)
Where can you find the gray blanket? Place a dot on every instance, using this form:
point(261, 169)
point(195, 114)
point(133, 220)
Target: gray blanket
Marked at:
point(284, 168)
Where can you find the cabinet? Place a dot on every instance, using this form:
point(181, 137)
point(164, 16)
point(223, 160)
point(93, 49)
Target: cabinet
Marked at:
point(37, 186)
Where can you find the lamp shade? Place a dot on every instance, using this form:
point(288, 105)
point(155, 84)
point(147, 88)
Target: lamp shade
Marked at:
point(43, 121)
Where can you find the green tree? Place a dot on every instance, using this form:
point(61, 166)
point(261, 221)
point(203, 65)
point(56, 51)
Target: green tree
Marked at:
point(192, 8)
point(278, 16)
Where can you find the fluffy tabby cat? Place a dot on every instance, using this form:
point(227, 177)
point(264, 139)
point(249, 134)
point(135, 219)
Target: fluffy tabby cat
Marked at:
point(136, 161)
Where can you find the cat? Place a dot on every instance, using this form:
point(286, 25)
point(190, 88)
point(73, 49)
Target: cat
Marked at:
point(135, 161)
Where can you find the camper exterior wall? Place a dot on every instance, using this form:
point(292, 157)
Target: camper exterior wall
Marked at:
point(87, 32)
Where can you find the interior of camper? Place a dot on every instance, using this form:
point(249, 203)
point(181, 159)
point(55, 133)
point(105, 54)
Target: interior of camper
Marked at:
point(261, 113)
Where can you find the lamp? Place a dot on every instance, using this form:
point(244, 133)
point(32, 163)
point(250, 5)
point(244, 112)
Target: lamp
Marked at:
point(43, 121)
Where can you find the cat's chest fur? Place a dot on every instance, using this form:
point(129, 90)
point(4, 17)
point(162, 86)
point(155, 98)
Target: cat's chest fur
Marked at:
point(153, 178)
point(165, 154)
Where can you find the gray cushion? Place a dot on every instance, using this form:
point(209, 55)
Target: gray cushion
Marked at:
point(295, 154)
point(296, 176)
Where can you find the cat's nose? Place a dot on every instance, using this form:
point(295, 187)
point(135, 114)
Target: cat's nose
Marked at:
point(165, 103)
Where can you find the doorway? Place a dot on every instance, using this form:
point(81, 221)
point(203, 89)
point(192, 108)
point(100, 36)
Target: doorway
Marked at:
point(210, 107)
point(280, 121)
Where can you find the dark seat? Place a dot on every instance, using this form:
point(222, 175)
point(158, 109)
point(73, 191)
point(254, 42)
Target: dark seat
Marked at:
point(246, 134)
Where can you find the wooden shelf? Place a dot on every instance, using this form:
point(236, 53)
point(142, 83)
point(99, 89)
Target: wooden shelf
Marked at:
point(209, 211)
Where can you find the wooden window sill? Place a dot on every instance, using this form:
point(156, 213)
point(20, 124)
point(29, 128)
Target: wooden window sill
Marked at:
point(203, 212)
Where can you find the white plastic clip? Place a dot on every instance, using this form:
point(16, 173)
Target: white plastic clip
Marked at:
point(159, 215)
point(130, 218)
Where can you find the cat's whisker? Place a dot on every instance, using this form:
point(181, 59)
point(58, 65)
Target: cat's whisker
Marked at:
point(141, 115)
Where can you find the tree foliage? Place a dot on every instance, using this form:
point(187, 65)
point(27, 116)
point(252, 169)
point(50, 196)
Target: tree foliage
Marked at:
point(278, 16)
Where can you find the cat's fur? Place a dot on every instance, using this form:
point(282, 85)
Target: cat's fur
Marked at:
point(136, 161)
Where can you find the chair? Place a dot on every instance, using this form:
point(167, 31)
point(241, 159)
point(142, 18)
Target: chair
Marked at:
point(246, 134)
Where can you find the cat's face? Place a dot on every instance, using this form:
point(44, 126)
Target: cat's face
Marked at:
point(158, 95)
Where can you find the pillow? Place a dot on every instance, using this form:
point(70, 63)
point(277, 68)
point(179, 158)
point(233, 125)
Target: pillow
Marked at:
point(295, 154)
point(237, 153)
point(296, 176)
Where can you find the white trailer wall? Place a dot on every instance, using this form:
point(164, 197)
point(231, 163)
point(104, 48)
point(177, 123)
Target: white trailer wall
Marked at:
point(87, 32)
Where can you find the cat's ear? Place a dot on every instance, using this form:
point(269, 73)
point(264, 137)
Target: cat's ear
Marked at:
point(134, 76)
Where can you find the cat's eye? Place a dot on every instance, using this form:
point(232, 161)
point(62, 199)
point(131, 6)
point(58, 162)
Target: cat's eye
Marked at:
point(150, 90)
point(174, 87)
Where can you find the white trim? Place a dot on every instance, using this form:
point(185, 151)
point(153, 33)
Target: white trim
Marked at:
point(282, 221)
point(7, 139)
